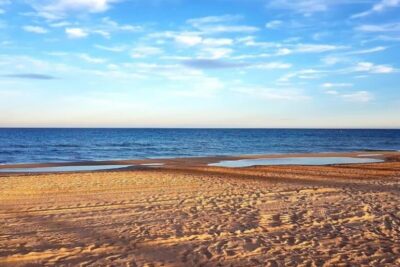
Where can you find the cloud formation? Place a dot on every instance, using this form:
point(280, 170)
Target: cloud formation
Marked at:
point(76, 33)
point(58, 9)
point(378, 8)
point(373, 68)
point(211, 64)
point(35, 29)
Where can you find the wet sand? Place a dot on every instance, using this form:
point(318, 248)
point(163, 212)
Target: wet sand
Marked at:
point(186, 213)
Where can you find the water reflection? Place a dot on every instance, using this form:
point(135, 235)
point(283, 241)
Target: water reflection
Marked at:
point(294, 161)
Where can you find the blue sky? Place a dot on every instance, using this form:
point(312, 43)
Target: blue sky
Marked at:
point(183, 63)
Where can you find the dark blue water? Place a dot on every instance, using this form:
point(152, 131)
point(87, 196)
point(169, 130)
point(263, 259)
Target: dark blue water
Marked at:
point(70, 145)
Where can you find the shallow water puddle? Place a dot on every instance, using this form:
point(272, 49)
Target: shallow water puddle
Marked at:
point(66, 168)
point(152, 164)
point(293, 161)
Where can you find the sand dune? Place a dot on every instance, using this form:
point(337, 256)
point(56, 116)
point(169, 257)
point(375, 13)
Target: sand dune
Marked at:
point(345, 215)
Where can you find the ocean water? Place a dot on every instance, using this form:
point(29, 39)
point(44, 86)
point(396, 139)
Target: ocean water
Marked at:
point(71, 145)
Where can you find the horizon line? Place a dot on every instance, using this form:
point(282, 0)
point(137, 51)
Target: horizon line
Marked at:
point(207, 128)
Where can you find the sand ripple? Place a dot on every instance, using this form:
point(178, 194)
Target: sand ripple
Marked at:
point(204, 216)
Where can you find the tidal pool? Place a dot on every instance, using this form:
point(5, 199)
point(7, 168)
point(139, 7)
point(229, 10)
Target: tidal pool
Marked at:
point(293, 161)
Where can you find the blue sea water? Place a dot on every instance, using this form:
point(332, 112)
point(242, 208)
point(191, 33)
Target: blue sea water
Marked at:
point(71, 145)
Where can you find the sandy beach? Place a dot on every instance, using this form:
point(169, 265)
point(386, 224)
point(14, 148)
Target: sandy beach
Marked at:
point(186, 213)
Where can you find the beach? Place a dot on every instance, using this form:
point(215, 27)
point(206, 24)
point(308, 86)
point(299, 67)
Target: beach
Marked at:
point(186, 213)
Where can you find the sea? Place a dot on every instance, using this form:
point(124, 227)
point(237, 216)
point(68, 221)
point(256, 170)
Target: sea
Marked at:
point(39, 145)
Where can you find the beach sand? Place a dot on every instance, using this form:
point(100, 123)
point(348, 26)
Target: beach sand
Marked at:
point(188, 214)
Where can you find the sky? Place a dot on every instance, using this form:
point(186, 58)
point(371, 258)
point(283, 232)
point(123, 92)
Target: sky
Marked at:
point(200, 63)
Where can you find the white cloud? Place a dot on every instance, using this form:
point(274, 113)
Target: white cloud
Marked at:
point(274, 24)
point(228, 28)
point(60, 24)
point(301, 74)
point(56, 9)
point(283, 51)
point(220, 24)
point(250, 56)
point(105, 28)
point(378, 7)
point(117, 48)
point(217, 41)
point(331, 85)
point(34, 29)
point(358, 96)
point(188, 39)
point(333, 60)
point(290, 48)
point(196, 22)
point(145, 51)
point(372, 68)
point(194, 39)
point(316, 48)
point(273, 65)
point(367, 51)
point(389, 27)
point(215, 52)
point(250, 41)
point(91, 59)
point(75, 33)
point(113, 26)
point(305, 48)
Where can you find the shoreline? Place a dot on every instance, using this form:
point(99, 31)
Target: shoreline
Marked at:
point(204, 161)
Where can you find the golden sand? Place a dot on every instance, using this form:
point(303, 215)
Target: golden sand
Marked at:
point(343, 215)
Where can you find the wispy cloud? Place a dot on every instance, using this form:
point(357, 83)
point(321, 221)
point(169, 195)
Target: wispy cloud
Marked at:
point(105, 28)
point(220, 24)
point(315, 48)
point(76, 33)
point(115, 48)
point(378, 7)
point(146, 51)
point(358, 96)
point(197, 22)
point(335, 85)
point(35, 29)
point(92, 60)
point(367, 51)
point(215, 52)
point(59, 9)
point(211, 64)
point(273, 24)
point(283, 49)
point(301, 74)
point(222, 64)
point(373, 68)
point(388, 27)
